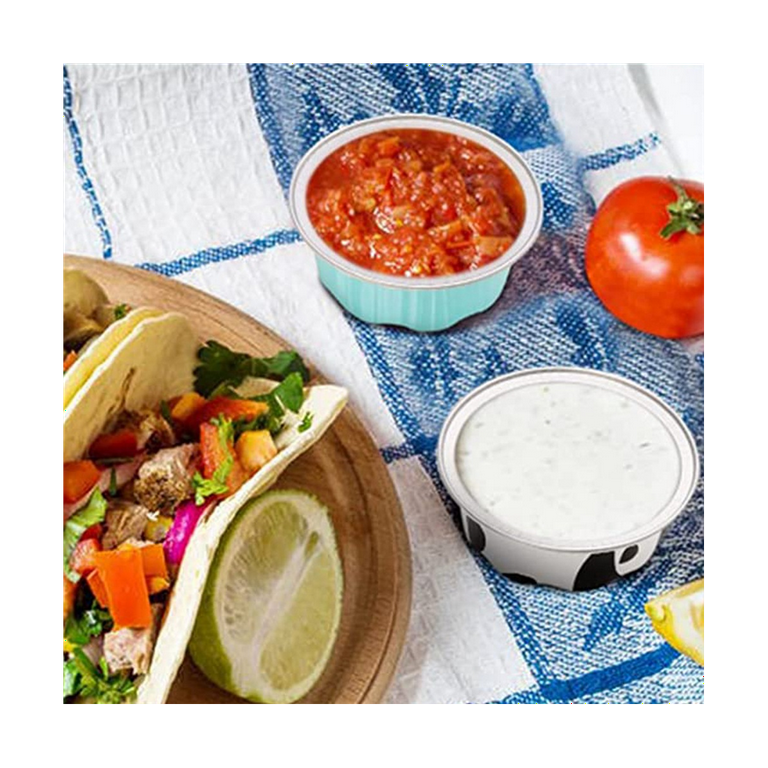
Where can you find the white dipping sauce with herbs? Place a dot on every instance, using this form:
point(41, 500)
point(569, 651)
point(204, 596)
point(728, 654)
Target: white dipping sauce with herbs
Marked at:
point(568, 461)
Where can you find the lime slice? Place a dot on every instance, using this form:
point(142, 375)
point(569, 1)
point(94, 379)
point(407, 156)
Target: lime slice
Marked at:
point(678, 616)
point(272, 604)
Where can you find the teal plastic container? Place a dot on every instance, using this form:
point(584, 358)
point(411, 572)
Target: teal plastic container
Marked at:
point(418, 303)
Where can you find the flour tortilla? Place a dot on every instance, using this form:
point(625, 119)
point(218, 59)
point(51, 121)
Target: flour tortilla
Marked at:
point(153, 363)
point(84, 295)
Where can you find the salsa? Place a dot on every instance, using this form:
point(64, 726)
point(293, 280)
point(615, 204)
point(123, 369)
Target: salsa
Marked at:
point(416, 203)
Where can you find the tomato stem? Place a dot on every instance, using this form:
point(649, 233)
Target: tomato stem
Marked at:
point(685, 214)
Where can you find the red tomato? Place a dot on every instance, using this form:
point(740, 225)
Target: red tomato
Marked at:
point(79, 478)
point(94, 532)
point(652, 280)
point(82, 560)
point(225, 406)
point(114, 446)
point(215, 454)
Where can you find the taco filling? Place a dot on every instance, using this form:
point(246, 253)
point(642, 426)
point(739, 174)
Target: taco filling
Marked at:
point(78, 329)
point(132, 504)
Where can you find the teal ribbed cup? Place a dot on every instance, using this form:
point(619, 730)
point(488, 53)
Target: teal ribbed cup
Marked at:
point(419, 310)
point(418, 303)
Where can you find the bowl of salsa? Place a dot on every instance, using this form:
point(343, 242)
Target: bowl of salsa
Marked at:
point(416, 220)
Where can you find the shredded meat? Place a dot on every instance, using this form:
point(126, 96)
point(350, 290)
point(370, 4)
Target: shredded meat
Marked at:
point(124, 520)
point(165, 480)
point(151, 429)
point(131, 649)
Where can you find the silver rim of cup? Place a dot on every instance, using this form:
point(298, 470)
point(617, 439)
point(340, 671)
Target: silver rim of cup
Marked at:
point(684, 441)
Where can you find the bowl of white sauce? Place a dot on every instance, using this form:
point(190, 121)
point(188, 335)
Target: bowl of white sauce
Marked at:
point(566, 476)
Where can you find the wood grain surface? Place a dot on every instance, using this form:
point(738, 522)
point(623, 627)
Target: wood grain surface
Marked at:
point(344, 470)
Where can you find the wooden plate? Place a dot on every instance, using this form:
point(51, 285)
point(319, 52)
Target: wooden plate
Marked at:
point(345, 471)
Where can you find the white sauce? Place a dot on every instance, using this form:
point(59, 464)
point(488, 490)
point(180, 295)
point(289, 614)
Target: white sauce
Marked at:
point(568, 461)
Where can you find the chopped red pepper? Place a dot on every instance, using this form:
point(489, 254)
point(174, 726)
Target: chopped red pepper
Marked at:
point(225, 406)
point(114, 446)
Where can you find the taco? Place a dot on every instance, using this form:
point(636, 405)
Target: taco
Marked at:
point(162, 447)
point(93, 327)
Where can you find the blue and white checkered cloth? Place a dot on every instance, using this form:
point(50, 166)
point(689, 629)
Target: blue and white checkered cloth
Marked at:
point(183, 170)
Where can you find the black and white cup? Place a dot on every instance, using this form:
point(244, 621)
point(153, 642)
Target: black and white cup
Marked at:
point(568, 564)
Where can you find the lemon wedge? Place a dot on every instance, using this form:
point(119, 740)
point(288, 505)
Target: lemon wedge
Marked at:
point(678, 616)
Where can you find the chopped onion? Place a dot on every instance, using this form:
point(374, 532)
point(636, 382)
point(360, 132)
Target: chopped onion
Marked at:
point(184, 523)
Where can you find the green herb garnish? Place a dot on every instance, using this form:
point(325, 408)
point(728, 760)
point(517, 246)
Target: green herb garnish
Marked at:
point(82, 678)
point(165, 411)
point(221, 367)
point(121, 310)
point(306, 422)
point(112, 483)
point(93, 512)
point(87, 620)
point(215, 485)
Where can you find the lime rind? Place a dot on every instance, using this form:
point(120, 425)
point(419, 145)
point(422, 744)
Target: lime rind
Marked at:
point(272, 605)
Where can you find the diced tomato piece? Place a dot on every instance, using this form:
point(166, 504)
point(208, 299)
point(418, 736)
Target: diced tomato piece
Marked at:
point(70, 590)
point(115, 445)
point(122, 573)
point(215, 454)
point(94, 532)
point(82, 560)
point(184, 406)
point(98, 588)
point(254, 449)
point(79, 478)
point(225, 406)
point(69, 360)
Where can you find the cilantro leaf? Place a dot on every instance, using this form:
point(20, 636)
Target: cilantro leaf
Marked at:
point(221, 367)
point(290, 392)
point(121, 310)
point(93, 512)
point(225, 430)
point(82, 678)
point(306, 422)
point(165, 411)
point(288, 395)
point(87, 620)
point(215, 485)
point(72, 678)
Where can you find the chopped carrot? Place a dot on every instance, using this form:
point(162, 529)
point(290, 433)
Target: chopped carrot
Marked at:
point(153, 561)
point(122, 573)
point(98, 588)
point(79, 478)
point(69, 360)
point(70, 589)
